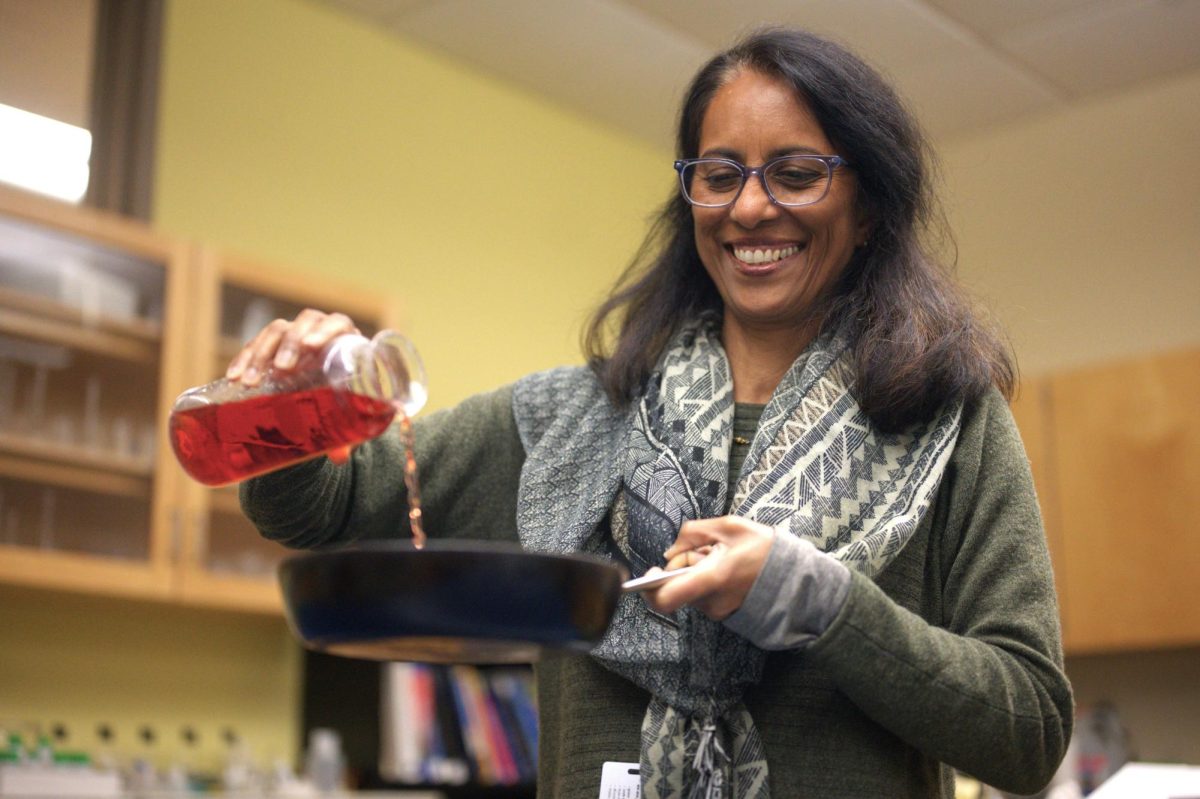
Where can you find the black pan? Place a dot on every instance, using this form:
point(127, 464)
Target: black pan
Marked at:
point(451, 602)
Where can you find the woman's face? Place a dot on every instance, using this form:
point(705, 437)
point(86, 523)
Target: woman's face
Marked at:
point(752, 119)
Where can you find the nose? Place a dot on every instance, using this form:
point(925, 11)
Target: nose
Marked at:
point(753, 206)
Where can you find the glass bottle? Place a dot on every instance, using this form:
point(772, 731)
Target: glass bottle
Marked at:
point(225, 432)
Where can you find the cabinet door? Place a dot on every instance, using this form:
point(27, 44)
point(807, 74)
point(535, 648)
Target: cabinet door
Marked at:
point(226, 562)
point(85, 361)
point(1125, 440)
point(1031, 409)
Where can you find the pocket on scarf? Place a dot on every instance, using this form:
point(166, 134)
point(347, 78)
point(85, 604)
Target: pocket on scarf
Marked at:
point(650, 533)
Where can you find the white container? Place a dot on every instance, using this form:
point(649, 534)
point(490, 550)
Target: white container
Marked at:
point(72, 281)
point(96, 293)
point(325, 767)
point(35, 780)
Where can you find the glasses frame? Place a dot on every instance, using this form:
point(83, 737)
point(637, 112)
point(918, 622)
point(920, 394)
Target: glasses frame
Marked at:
point(832, 164)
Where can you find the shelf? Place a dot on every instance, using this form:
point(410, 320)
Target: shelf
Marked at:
point(258, 595)
point(73, 455)
point(469, 791)
point(81, 572)
point(99, 478)
point(143, 329)
point(28, 316)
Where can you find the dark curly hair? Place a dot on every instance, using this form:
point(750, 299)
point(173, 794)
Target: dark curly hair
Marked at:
point(918, 343)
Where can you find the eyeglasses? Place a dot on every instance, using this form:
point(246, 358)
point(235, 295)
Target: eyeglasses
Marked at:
point(790, 180)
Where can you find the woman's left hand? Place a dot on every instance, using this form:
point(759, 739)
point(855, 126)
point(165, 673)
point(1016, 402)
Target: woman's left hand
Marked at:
point(728, 553)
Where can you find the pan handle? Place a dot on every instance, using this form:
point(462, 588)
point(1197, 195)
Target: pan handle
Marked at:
point(648, 581)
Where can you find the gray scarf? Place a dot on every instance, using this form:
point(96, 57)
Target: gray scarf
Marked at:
point(817, 468)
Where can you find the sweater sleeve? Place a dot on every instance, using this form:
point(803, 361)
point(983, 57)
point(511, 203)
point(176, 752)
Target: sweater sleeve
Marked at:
point(984, 690)
point(469, 459)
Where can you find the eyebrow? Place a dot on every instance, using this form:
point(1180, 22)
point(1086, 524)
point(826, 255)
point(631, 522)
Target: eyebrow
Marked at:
point(734, 155)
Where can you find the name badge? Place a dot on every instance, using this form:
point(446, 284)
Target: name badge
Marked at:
point(620, 781)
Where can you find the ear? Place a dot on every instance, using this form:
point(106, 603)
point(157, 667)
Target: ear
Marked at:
point(864, 218)
point(864, 225)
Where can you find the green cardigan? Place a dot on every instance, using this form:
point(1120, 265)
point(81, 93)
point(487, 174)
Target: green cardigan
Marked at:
point(952, 658)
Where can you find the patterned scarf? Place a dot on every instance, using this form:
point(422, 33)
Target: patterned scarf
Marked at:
point(817, 468)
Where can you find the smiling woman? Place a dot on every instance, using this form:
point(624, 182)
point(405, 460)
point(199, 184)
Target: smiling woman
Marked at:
point(799, 405)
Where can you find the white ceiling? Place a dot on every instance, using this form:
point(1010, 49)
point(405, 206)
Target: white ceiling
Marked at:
point(964, 65)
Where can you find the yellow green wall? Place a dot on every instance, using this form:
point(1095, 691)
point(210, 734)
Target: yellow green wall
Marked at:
point(85, 661)
point(291, 131)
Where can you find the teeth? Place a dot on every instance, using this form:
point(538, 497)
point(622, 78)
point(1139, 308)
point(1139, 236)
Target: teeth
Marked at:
point(756, 256)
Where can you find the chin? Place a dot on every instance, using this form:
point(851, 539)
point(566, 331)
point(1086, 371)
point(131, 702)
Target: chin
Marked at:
point(770, 316)
point(767, 318)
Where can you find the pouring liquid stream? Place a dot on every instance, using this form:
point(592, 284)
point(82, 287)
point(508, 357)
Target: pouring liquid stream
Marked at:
point(411, 481)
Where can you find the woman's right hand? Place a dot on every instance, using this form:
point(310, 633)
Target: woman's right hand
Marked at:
point(281, 344)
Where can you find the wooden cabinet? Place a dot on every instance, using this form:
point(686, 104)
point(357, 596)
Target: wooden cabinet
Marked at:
point(1116, 455)
point(1126, 447)
point(1032, 411)
point(87, 363)
point(102, 323)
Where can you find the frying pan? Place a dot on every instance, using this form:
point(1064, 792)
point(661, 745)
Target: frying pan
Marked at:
point(449, 602)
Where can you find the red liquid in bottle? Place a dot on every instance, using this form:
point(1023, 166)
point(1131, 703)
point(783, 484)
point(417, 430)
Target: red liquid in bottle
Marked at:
point(219, 444)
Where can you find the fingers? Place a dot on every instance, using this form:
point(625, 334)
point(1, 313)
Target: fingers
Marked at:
point(282, 343)
point(287, 350)
point(691, 588)
point(688, 558)
point(698, 533)
point(320, 329)
point(729, 553)
point(249, 364)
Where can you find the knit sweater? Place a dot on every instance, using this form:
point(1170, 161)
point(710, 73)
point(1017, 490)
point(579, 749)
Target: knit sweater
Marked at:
point(951, 658)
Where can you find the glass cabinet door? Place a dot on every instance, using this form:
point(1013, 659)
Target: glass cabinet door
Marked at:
point(85, 358)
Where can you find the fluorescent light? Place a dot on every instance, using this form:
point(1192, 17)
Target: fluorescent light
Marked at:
point(43, 154)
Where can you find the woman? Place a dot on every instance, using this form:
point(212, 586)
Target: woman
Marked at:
point(799, 402)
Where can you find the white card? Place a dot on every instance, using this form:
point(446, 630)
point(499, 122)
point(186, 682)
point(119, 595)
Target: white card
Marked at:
point(620, 781)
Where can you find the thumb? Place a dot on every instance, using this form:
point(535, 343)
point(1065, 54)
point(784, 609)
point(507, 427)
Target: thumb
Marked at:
point(695, 534)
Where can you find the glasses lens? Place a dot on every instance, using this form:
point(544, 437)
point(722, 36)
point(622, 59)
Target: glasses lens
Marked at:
point(711, 182)
point(798, 180)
